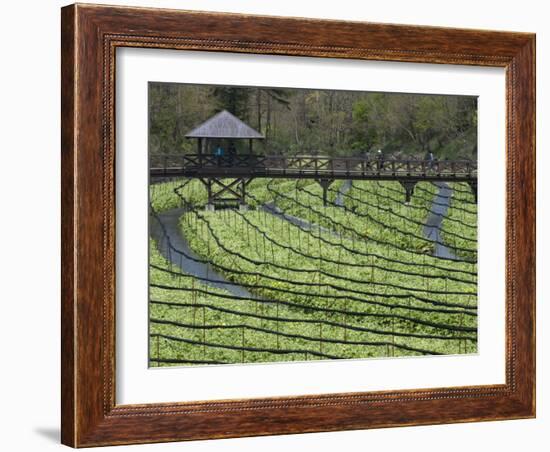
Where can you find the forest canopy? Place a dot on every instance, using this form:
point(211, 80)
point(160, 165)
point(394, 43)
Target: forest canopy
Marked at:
point(323, 122)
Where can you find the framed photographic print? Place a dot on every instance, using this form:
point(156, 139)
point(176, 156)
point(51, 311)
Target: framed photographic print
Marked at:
point(281, 225)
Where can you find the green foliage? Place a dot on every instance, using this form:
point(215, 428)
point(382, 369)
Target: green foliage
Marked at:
point(173, 111)
point(163, 196)
point(413, 124)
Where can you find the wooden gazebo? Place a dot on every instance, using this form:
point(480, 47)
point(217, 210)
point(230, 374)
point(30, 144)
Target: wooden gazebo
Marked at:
point(218, 136)
point(223, 126)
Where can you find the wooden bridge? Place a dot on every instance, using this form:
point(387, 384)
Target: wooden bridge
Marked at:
point(212, 170)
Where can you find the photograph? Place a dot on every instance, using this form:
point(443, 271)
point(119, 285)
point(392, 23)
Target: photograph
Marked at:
point(291, 224)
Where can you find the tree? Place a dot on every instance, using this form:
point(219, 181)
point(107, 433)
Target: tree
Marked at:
point(233, 99)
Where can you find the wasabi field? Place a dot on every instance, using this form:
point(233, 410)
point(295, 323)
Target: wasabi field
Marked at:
point(285, 277)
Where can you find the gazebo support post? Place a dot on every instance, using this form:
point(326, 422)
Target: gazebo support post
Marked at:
point(473, 187)
point(325, 183)
point(242, 202)
point(409, 189)
point(220, 192)
point(210, 205)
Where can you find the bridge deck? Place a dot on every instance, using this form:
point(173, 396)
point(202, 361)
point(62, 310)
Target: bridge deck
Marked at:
point(312, 167)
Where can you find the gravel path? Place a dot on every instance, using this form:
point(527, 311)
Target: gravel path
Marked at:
point(184, 258)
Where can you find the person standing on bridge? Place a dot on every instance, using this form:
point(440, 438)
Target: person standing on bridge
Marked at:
point(232, 154)
point(430, 158)
point(218, 153)
point(380, 158)
point(366, 156)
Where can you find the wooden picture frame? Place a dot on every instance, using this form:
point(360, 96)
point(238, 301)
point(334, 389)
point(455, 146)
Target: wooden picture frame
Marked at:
point(90, 36)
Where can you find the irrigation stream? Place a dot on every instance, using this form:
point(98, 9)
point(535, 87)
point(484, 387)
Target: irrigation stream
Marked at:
point(344, 188)
point(171, 235)
point(432, 229)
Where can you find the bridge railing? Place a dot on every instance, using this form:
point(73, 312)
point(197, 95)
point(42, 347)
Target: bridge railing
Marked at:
point(308, 165)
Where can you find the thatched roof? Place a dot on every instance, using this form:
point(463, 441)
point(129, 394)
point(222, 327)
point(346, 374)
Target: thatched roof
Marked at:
point(224, 125)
